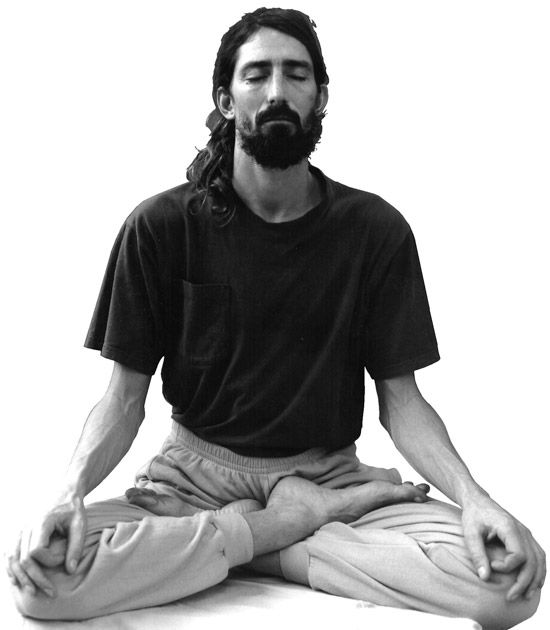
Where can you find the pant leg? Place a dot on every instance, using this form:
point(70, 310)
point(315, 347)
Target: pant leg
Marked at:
point(407, 556)
point(133, 559)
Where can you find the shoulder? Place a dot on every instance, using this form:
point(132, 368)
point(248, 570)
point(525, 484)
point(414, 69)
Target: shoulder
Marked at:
point(161, 210)
point(365, 211)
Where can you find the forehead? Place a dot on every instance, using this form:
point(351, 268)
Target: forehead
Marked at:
point(270, 45)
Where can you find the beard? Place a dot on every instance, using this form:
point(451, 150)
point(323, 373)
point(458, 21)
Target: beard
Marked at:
point(280, 145)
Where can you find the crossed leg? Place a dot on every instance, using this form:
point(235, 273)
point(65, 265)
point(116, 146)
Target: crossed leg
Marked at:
point(135, 558)
point(407, 555)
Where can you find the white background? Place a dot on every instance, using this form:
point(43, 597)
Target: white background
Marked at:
point(441, 107)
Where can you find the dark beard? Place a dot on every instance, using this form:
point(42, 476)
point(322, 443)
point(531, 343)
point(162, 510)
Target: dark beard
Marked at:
point(279, 146)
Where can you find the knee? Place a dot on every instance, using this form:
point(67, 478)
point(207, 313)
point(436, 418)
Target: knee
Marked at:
point(490, 608)
point(65, 605)
point(36, 605)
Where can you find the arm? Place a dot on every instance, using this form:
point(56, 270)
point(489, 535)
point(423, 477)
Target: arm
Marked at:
point(107, 435)
point(109, 431)
point(421, 437)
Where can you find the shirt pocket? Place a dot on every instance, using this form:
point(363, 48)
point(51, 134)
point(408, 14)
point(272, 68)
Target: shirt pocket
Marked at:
point(205, 330)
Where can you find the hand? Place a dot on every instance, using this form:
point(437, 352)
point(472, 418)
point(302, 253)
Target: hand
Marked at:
point(56, 539)
point(484, 521)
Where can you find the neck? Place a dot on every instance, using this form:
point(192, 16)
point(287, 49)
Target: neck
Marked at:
point(275, 195)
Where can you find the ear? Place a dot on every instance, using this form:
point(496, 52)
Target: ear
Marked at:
point(322, 98)
point(225, 103)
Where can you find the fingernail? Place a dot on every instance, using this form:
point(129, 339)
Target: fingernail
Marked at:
point(72, 565)
point(482, 572)
point(48, 592)
point(512, 598)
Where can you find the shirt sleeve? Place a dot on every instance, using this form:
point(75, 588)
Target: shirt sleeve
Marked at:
point(127, 324)
point(399, 333)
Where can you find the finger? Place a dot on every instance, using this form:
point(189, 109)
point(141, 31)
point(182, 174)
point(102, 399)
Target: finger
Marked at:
point(133, 493)
point(54, 555)
point(424, 487)
point(544, 568)
point(77, 533)
point(413, 493)
point(41, 538)
point(21, 560)
point(515, 551)
point(42, 544)
point(17, 550)
point(22, 579)
point(476, 546)
point(540, 572)
point(37, 577)
point(11, 559)
point(511, 562)
point(142, 497)
point(524, 578)
point(11, 576)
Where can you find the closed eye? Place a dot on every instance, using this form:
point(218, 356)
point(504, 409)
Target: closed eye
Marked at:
point(255, 79)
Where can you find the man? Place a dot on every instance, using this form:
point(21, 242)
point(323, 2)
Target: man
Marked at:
point(267, 289)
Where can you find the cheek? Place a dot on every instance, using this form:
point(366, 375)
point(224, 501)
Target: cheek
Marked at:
point(309, 112)
point(243, 122)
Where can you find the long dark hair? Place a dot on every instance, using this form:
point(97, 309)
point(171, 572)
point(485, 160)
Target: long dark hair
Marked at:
point(212, 169)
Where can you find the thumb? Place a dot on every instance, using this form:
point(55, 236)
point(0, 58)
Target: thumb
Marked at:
point(76, 535)
point(476, 546)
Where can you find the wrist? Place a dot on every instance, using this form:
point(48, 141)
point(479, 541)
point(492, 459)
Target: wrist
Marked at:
point(470, 495)
point(74, 489)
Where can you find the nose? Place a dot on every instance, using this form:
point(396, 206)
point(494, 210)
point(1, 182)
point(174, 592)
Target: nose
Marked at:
point(276, 88)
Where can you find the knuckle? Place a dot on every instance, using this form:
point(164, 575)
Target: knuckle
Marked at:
point(25, 564)
point(521, 556)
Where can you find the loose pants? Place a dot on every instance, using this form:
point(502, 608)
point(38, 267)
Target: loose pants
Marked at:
point(409, 555)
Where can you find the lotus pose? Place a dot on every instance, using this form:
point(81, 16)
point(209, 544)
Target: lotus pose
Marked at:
point(267, 289)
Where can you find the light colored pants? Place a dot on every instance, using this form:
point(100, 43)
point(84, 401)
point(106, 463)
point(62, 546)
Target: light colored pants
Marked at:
point(408, 555)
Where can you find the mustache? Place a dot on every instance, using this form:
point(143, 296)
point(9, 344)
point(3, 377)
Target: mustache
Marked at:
point(278, 112)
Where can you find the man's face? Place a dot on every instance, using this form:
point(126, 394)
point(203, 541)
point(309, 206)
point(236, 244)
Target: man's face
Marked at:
point(274, 99)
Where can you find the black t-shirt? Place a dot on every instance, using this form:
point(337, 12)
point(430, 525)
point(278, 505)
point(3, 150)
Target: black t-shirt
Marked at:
point(266, 328)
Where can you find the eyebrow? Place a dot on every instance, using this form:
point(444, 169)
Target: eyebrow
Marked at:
point(294, 64)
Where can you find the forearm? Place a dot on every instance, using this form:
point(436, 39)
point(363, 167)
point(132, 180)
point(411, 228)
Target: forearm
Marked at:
point(106, 437)
point(108, 432)
point(421, 437)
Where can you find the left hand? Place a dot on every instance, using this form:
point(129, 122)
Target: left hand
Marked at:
point(483, 521)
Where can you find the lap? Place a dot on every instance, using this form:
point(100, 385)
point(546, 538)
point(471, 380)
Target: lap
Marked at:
point(432, 521)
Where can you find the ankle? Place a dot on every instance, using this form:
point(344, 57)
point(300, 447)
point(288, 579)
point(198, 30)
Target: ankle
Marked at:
point(277, 527)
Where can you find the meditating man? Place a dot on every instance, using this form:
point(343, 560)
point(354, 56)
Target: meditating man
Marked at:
point(267, 289)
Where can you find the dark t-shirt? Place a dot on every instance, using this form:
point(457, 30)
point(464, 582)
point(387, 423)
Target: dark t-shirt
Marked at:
point(266, 328)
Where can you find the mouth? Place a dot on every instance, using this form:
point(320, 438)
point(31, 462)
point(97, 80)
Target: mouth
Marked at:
point(279, 119)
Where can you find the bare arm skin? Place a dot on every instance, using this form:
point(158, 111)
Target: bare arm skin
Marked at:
point(109, 430)
point(295, 509)
point(421, 437)
point(106, 437)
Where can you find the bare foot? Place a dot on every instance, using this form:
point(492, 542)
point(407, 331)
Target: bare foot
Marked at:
point(296, 508)
point(159, 504)
point(346, 505)
point(167, 505)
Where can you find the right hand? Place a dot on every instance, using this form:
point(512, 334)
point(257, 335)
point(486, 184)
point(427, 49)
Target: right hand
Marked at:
point(57, 538)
